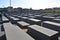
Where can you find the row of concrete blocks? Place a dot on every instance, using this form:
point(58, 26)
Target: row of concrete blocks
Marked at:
point(31, 32)
point(44, 18)
point(48, 19)
point(30, 21)
point(44, 25)
point(13, 20)
point(6, 19)
point(37, 35)
point(36, 22)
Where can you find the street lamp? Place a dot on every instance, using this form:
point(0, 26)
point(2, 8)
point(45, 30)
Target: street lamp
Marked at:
point(10, 3)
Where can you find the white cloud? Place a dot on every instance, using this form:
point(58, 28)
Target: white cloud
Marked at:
point(35, 4)
point(41, 4)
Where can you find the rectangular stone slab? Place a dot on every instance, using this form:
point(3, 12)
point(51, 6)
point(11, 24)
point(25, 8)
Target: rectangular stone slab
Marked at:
point(4, 18)
point(48, 17)
point(57, 19)
point(23, 23)
point(43, 30)
point(36, 20)
point(52, 23)
point(39, 32)
point(25, 17)
point(14, 18)
point(13, 32)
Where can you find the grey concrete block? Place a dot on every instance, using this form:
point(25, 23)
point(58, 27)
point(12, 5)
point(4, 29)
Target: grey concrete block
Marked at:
point(42, 33)
point(13, 32)
point(23, 24)
point(51, 25)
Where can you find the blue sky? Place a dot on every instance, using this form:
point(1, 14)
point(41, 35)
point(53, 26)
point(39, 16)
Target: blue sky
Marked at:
point(34, 4)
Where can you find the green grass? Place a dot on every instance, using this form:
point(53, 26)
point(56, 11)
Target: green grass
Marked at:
point(51, 10)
